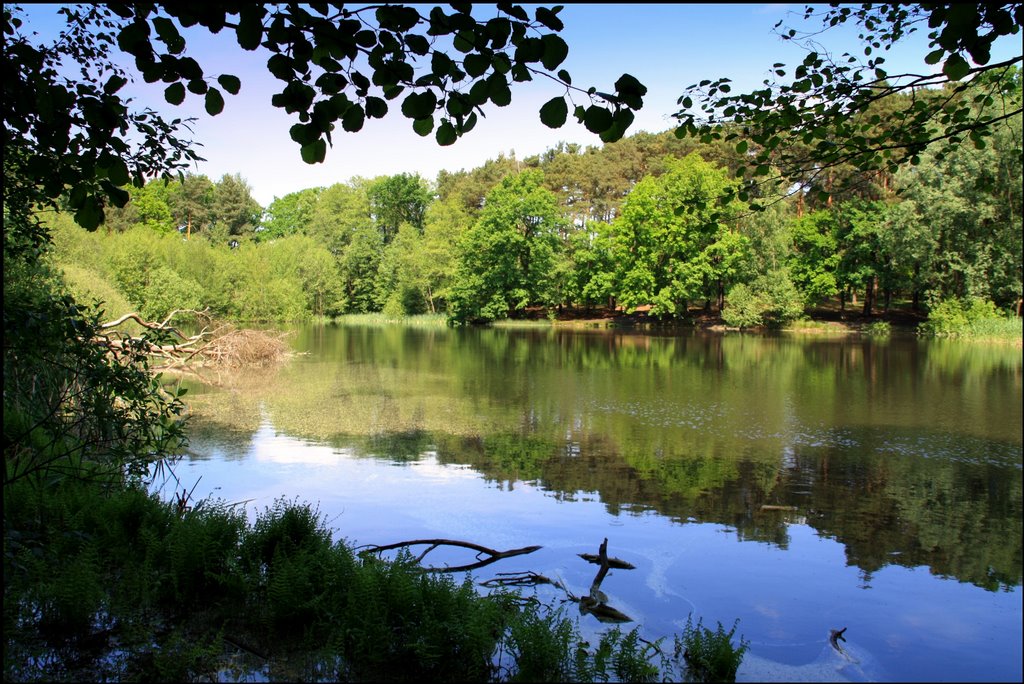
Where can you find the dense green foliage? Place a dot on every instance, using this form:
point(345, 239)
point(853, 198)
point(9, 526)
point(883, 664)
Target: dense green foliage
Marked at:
point(847, 112)
point(83, 134)
point(514, 238)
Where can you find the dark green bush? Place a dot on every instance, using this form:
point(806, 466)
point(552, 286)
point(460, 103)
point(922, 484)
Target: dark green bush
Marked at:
point(710, 654)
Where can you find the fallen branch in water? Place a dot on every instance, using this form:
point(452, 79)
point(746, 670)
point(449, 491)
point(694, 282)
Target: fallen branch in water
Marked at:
point(612, 562)
point(596, 603)
point(518, 579)
point(493, 554)
point(835, 636)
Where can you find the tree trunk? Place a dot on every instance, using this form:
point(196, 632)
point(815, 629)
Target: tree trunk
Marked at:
point(869, 295)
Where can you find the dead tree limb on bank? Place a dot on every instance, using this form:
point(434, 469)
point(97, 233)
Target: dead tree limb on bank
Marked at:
point(493, 554)
point(220, 346)
point(163, 341)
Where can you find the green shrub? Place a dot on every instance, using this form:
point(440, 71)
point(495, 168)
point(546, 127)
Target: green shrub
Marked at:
point(771, 298)
point(879, 329)
point(973, 317)
point(167, 291)
point(784, 301)
point(710, 655)
point(744, 308)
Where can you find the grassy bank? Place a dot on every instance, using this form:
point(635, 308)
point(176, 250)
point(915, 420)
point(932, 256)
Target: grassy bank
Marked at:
point(114, 584)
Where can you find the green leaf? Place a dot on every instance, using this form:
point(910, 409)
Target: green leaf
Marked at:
point(117, 172)
point(417, 43)
point(620, 122)
point(631, 91)
point(90, 214)
point(956, 67)
point(456, 105)
point(168, 33)
point(419, 105)
point(741, 147)
point(446, 134)
point(555, 51)
point(530, 50)
point(353, 118)
point(440, 64)
point(476, 65)
point(376, 108)
point(499, 29)
point(314, 152)
point(554, 112)
point(934, 57)
point(119, 197)
point(214, 102)
point(464, 40)
point(113, 84)
point(549, 18)
point(597, 119)
point(423, 126)
point(134, 37)
point(397, 18)
point(250, 26)
point(175, 93)
point(280, 66)
point(497, 88)
point(230, 83)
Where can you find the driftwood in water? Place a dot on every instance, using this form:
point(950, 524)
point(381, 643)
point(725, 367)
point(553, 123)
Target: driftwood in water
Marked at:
point(770, 507)
point(432, 544)
point(615, 563)
point(835, 636)
point(518, 579)
point(596, 603)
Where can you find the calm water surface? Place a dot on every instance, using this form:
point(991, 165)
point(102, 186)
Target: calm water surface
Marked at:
point(800, 485)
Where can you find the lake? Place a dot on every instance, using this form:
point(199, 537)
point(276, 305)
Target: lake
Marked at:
point(797, 484)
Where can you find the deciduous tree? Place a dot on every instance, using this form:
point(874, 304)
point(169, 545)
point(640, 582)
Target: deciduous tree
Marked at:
point(506, 258)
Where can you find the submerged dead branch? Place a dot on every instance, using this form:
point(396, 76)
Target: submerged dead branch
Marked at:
point(835, 636)
point(493, 555)
point(614, 563)
point(518, 579)
point(596, 603)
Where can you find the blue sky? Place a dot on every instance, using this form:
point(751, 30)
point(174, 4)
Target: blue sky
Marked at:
point(666, 46)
